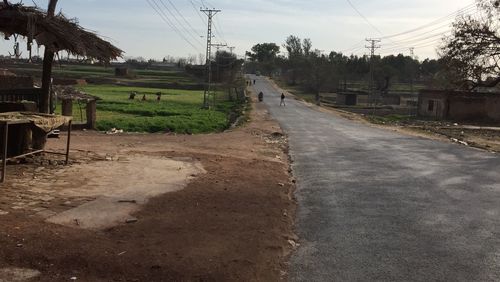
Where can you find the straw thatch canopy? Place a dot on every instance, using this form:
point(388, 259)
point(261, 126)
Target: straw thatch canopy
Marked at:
point(56, 33)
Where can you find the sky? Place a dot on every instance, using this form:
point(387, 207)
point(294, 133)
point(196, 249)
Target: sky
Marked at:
point(332, 25)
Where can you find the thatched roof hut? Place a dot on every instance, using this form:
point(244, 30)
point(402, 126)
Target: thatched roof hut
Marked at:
point(56, 33)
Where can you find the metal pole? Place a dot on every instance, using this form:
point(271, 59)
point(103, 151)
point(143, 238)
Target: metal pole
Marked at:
point(4, 158)
point(373, 46)
point(210, 13)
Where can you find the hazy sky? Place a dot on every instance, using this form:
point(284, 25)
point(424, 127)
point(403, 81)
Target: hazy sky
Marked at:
point(135, 27)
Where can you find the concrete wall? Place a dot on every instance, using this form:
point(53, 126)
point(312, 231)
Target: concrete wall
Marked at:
point(391, 100)
point(460, 105)
point(474, 108)
point(363, 100)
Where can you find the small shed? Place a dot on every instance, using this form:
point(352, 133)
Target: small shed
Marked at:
point(352, 98)
point(122, 71)
point(459, 105)
point(67, 95)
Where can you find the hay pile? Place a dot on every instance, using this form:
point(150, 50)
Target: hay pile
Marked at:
point(70, 93)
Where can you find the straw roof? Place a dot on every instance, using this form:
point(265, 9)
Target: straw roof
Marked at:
point(56, 33)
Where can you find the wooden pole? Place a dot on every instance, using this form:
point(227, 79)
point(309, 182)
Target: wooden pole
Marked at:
point(48, 59)
point(91, 114)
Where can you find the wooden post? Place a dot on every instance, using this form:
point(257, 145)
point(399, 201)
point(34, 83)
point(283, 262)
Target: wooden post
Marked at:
point(91, 114)
point(67, 107)
point(48, 59)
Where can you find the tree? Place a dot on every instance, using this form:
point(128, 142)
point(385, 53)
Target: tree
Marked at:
point(293, 46)
point(264, 52)
point(472, 52)
point(264, 55)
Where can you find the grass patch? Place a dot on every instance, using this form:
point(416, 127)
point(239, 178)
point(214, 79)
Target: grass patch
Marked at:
point(178, 111)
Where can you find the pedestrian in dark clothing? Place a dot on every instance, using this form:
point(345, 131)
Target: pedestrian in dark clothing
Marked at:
point(254, 81)
point(282, 100)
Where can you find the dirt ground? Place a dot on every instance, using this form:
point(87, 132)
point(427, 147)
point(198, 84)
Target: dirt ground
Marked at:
point(231, 222)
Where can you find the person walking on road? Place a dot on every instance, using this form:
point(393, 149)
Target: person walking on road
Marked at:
point(282, 100)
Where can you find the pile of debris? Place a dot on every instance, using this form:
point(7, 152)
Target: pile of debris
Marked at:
point(70, 93)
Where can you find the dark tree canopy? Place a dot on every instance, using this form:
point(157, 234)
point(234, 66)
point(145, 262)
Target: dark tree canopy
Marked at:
point(264, 52)
point(472, 52)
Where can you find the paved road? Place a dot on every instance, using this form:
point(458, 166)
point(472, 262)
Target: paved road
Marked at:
point(379, 206)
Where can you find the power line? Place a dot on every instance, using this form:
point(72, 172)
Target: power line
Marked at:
point(419, 46)
point(183, 18)
point(355, 46)
point(197, 40)
point(454, 14)
point(218, 31)
point(362, 16)
point(419, 40)
point(198, 12)
point(163, 16)
point(423, 39)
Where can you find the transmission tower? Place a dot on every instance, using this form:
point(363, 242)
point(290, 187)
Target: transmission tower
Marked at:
point(412, 54)
point(210, 14)
point(372, 47)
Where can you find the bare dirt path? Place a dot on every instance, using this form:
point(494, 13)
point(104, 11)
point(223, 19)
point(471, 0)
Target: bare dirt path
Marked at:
point(231, 223)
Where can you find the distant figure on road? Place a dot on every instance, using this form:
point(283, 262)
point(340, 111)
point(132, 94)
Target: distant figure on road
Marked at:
point(261, 96)
point(144, 97)
point(282, 100)
point(254, 81)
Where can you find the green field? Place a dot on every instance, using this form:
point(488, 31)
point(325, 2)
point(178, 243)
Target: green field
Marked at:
point(90, 72)
point(178, 111)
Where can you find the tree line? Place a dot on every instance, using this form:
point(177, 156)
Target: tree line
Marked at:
point(468, 59)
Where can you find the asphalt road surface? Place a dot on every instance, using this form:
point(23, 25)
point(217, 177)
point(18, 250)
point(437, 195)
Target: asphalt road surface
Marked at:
point(375, 205)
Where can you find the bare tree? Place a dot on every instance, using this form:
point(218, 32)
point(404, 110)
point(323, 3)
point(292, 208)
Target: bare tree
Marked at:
point(472, 52)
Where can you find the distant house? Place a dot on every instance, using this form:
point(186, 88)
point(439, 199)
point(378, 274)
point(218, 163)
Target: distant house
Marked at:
point(122, 71)
point(459, 105)
point(352, 98)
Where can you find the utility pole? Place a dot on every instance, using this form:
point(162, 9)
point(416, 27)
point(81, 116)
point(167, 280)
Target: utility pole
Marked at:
point(412, 55)
point(372, 47)
point(210, 14)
